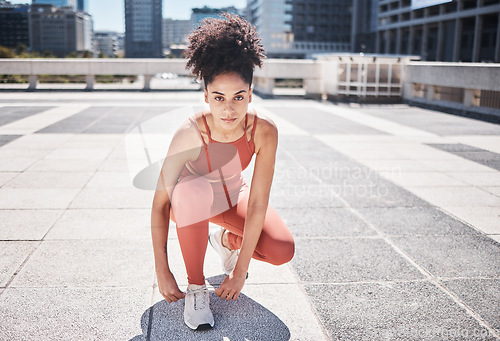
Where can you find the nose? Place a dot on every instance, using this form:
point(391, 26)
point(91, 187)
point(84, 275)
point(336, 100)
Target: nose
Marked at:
point(228, 107)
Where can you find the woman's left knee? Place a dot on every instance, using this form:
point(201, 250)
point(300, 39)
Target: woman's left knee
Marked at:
point(282, 253)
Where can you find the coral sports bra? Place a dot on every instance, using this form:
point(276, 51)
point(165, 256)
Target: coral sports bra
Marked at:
point(222, 161)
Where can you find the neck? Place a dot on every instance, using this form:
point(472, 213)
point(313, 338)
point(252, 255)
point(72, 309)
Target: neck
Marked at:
point(222, 134)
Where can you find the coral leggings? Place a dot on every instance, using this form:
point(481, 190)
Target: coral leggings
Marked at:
point(195, 203)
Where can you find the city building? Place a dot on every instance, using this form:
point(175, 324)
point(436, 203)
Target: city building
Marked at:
point(57, 3)
point(300, 28)
point(14, 24)
point(440, 30)
point(175, 32)
point(60, 30)
point(107, 42)
point(143, 29)
point(121, 44)
point(198, 14)
point(83, 5)
point(273, 20)
point(364, 26)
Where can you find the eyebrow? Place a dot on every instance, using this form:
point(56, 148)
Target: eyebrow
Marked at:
point(221, 93)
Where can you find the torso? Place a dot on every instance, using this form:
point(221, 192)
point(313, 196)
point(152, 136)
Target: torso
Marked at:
point(231, 157)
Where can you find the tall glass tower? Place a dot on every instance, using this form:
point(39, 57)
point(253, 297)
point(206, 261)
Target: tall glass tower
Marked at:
point(57, 3)
point(300, 29)
point(143, 30)
point(83, 5)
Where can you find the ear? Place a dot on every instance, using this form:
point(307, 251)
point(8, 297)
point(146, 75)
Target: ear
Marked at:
point(250, 95)
point(206, 95)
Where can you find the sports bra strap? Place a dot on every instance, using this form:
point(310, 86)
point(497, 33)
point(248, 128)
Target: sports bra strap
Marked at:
point(254, 126)
point(205, 147)
point(207, 128)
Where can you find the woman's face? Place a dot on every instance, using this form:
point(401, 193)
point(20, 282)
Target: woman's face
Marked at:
point(228, 96)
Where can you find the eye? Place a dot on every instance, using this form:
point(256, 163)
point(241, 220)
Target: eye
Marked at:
point(239, 98)
point(219, 98)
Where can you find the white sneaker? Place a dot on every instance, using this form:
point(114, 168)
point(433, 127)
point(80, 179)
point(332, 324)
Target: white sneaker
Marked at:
point(228, 257)
point(197, 313)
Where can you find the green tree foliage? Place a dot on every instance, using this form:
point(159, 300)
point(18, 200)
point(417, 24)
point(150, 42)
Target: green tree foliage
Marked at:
point(48, 54)
point(5, 52)
point(21, 49)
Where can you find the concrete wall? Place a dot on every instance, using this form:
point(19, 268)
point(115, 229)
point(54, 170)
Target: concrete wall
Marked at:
point(472, 86)
point(462, 87)
point(366, 77)
point(461, 75)
point(311, 71)
point(92, 66)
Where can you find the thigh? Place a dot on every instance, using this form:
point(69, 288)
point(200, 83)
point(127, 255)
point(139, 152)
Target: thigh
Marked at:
point(191, 202)
point(234, 220)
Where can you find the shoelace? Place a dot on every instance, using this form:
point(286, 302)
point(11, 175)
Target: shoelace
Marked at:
point(197, 297)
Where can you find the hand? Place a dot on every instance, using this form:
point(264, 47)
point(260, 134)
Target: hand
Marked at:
point(231, 287)
point(168, 286)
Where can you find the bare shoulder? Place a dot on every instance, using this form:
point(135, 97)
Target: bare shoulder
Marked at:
point(200, 124)
point(198, 118)
point(266, 132)
point(186, 138)
point(186, 132)
point(265, 126)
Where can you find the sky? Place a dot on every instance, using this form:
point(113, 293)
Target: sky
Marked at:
point(109, 14)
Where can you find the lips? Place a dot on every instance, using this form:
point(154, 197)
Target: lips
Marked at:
point(228, 120)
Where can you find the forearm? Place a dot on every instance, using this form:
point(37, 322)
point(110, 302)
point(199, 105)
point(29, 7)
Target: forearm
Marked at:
point(253, 228)
point(160, 218)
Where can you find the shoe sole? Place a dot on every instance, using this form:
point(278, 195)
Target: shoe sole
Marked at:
point(204, 326)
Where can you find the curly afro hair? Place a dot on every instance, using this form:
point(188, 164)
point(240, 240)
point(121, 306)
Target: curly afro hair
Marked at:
point(228, 44)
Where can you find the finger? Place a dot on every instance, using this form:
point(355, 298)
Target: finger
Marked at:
point(236, 295)
point(179, 295)
point(165, 297)
point(231, 295)
point(221, 292)
point(224, 294)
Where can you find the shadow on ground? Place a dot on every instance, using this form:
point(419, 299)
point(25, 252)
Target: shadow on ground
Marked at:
point(243, 319)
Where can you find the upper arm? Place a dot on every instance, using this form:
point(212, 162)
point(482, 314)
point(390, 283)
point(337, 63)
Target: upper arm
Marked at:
point(266, 144)
point(185, 146)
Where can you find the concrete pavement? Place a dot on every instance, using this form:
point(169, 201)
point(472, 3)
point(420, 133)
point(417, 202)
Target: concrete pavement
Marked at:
point(395, 211)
